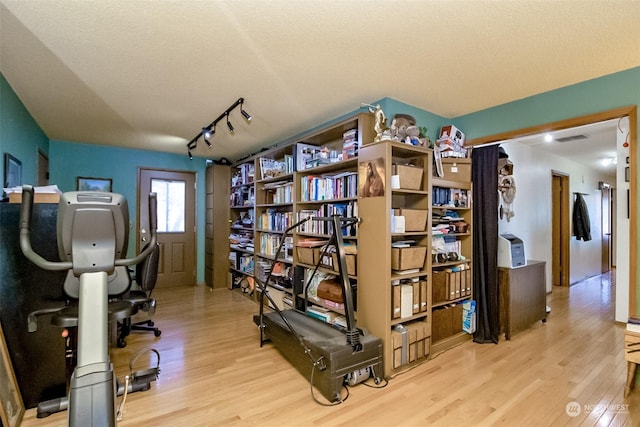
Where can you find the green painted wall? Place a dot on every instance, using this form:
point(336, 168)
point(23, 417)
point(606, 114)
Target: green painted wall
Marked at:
point(20, 135)
point(70, 160)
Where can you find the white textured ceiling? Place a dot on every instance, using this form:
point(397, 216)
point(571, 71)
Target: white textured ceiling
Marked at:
point(150, 74)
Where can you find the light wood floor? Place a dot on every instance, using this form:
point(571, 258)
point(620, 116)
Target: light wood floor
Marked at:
point(215, 373)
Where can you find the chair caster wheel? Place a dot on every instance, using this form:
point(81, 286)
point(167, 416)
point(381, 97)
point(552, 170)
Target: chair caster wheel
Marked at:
point(121, 343)
point(157, 332)
point(150, 323)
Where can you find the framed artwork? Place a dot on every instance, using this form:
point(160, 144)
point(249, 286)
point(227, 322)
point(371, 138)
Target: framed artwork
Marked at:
point(12, 408)
point(93, 184)
point(12, 171)
point(371, 178)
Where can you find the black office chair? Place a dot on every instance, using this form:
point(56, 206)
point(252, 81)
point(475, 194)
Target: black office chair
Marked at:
point(140, 298)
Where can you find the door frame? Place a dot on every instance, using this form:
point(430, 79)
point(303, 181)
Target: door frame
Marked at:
point(565, 230)
point(630, 111)
point(606, 203)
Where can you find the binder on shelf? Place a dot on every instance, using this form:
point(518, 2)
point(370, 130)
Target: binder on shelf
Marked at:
point(406, 301)
point(395, 302)
point(416, 297)
point(423, 296)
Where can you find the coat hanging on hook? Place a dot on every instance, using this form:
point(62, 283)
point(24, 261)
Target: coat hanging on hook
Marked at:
point(581, 224)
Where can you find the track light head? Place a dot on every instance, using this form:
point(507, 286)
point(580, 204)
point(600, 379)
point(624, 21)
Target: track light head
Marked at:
point(190, 155)
point(246, 115)
point(206, 134)
point(229, 125)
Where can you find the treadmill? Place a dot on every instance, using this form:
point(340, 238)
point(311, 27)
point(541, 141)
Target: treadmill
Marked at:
point(328, 356)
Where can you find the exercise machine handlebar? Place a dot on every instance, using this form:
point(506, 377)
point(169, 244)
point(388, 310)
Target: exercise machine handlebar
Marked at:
point(26, 210)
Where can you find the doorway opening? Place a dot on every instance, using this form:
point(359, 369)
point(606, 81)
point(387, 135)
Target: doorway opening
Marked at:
point(628, 295)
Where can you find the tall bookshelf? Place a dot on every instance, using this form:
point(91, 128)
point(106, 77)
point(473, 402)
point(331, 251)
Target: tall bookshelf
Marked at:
point(317, 183)
point(273, 215)
point(242, 225)
point(380, 282)
point(452, 278)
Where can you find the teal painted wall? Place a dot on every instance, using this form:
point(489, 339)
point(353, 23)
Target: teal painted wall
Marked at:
point(588, 97)
point(20, 135)
point(431, 121)
point(69, 160)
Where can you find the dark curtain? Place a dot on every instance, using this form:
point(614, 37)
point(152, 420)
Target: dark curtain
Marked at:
point(484, 174)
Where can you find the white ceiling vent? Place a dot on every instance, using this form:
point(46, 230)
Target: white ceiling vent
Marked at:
point(571, 138)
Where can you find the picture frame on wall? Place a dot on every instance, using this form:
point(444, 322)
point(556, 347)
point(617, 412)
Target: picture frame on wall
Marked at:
point(93, 184)
point(12, 407)
point(12, 171)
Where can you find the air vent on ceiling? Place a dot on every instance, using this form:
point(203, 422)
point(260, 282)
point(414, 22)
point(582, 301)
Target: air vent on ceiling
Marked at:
point(571, 138)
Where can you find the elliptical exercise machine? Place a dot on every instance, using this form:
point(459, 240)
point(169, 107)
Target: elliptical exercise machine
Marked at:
point(92, 229)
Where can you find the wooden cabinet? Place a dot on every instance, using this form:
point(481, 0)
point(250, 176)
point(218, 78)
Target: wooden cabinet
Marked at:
point(523, 296)
point(452, 247)
point(394, 292)
point(217, 226)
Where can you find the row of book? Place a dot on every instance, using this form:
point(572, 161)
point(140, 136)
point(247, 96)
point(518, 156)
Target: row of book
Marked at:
point(274, 220)
point(344, 209)
point(446, 244)
point(242, 196)
point(350, 144)
point(269, 245)
point(453, 197)
point(329, 186)
point(244, 174)
point(278, 192)
point(241, 261)
point(271, 168)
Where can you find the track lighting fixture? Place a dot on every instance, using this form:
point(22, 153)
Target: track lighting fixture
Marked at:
point(208, 131)
point(229, 125)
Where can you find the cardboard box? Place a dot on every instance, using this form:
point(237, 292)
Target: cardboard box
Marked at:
point(330, 290)
point(414, 219)
point(453, 133)
point(408, 258)
point(469, 316)
point(457, 169)
point(351, 263)
point(411, 342)
point(308, 255)
point(37, 198)
point(410, 176)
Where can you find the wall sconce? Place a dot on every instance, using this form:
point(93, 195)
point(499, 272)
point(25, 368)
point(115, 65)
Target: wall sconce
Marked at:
point(209, 131)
